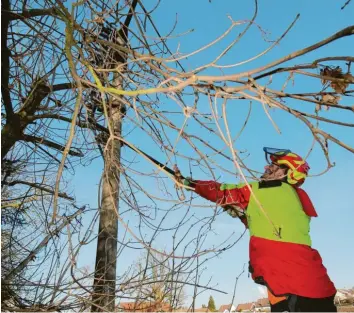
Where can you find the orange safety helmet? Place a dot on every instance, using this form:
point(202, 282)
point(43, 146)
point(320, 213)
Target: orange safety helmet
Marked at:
point(298, 168)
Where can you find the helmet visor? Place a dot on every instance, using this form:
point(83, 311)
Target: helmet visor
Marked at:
point(274, 151)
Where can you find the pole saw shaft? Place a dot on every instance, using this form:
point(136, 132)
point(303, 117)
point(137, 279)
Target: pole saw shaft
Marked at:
point(159, 164)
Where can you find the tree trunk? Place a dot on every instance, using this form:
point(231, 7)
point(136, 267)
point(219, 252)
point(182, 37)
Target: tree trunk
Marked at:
point(105, 273)
point(104, 285)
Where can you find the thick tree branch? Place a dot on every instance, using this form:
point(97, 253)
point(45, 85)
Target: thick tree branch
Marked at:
point(339, 58)
point(16, 123)
point(38, 186)
point(125, 28)
point(348, 31)
point(306, 66)
point(50, 144)
point(63, 86)
point(91, 124)
point(53, 11)
point(5, 59)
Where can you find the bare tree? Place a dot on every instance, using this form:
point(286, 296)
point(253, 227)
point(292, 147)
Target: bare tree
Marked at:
point(152, 283)
point(70, 73)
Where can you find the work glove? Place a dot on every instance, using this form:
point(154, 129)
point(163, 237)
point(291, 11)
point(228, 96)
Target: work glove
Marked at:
point(186, 181)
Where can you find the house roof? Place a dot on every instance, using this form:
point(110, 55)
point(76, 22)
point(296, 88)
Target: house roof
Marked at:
point(201, 310)
point(144, 306)
point(346, 292)
point(260, 303)
point(127, 305)
point(264, 302)
point(225, 307)
point(245, 306)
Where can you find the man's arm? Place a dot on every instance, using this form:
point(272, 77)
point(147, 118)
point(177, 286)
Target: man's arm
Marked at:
point(231, 198)
point(222, 194)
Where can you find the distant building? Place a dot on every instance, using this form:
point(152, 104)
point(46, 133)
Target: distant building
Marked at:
point(152, 306)
point(261, 305)
point(227, 308)
point(201, 310)
point(246, 307)
point(344, 296)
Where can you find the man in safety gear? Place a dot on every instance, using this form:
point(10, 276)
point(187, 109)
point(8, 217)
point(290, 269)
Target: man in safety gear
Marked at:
point(277, 213)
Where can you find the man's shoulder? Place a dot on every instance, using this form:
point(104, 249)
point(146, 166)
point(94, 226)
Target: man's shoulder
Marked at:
point(237, 186)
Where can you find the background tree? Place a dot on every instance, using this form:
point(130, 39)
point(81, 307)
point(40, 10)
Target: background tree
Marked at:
point(161, 285)
point(211, 304)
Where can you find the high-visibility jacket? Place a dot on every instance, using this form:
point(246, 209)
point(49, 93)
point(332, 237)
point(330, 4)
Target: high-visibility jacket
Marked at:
point(286, 264)
point(280, 217)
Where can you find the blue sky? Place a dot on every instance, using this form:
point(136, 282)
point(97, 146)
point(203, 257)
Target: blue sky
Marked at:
point(332, 194)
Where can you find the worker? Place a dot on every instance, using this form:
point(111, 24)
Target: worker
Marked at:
point(277, 213)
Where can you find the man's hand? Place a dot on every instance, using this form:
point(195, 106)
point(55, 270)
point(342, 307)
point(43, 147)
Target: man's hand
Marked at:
point(186, 181)
point(177, 171)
